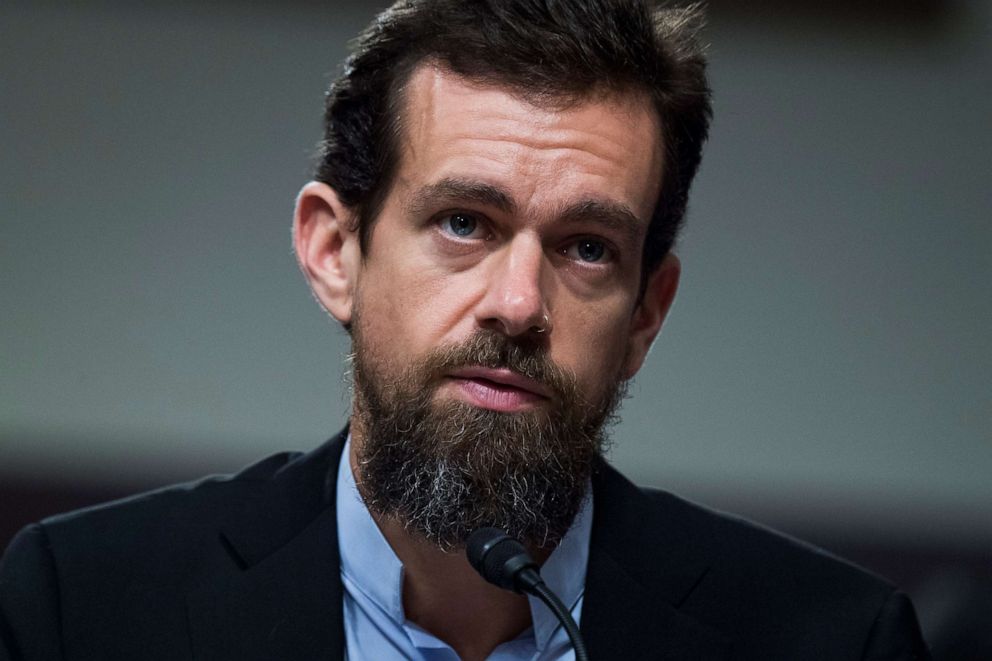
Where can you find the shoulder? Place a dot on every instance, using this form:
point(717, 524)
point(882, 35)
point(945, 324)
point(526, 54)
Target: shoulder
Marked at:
point(119, 573)
point(768, 592)
point(172, 514)
point(752, 555)
point(644, 522)
point(782, 594)
point(175, 533)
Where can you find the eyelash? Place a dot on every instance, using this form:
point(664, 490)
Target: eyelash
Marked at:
point(440, 221)
point(609, 252)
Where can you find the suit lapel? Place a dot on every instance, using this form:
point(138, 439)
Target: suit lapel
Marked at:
point(641, 568)
point(277, 593)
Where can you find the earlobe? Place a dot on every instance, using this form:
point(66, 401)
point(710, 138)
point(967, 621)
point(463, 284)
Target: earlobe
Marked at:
point(651, 312)
point(327, 248)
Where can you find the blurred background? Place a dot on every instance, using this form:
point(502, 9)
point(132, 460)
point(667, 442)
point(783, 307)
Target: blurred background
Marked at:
point(826, 370)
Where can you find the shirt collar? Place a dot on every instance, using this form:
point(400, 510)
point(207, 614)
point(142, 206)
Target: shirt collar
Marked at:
point(371, 565)
point(564, 572)
point(367, 559)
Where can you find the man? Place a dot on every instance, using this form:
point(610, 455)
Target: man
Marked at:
point(492, 219)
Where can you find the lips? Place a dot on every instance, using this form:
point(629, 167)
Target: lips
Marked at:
point(499, 389)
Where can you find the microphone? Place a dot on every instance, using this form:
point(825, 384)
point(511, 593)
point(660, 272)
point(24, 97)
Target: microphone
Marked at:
point(504, 562)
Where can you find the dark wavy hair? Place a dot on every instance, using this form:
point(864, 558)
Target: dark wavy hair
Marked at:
point(551, 52)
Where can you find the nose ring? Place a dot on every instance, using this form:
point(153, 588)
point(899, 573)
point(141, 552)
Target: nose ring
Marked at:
point(544, 327)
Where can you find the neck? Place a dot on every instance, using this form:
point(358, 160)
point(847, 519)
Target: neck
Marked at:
point(444, 595)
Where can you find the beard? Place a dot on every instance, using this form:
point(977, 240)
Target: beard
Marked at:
point(444, 468)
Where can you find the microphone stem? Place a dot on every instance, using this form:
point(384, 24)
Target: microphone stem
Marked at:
point(551, 600)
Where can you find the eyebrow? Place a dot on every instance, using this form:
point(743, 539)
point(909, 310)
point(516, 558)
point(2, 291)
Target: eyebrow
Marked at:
point(611, 215)
point(450, 190)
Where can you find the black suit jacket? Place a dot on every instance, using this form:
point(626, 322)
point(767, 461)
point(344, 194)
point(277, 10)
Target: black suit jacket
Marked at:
point(246, 567)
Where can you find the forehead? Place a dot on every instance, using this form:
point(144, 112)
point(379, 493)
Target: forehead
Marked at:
point(607, 147)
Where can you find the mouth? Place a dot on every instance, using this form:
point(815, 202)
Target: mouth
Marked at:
point(498, 389)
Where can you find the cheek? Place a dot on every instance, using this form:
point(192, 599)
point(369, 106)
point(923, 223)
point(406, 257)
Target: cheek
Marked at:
point(412, 308)
point(594, 346)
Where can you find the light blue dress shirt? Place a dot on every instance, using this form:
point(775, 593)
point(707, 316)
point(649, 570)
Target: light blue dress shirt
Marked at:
point(376, 628)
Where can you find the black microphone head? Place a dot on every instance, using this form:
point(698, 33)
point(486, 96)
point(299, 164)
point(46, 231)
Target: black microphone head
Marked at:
point(498, 557)
point(504, 562)
point(480, 542)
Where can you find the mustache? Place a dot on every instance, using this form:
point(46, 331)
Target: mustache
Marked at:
point(490, 349)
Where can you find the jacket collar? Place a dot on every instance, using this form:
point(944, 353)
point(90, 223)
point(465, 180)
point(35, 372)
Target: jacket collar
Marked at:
point(642, 567)
point(277, 593)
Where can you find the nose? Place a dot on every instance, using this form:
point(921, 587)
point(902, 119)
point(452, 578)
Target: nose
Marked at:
point(515, 302)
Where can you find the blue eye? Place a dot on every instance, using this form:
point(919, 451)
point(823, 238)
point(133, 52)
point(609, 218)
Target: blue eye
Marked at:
point(591, 251)
point(460, 224)
point(587, 250)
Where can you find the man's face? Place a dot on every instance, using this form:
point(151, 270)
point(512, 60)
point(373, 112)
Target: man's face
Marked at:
point(496, 312)
point(510, 217)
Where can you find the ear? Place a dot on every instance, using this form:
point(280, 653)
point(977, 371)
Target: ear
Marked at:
point(651, 311)
point(327, 248)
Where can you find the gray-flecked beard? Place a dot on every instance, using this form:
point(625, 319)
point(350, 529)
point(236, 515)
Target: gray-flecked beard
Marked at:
point(445, 468)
